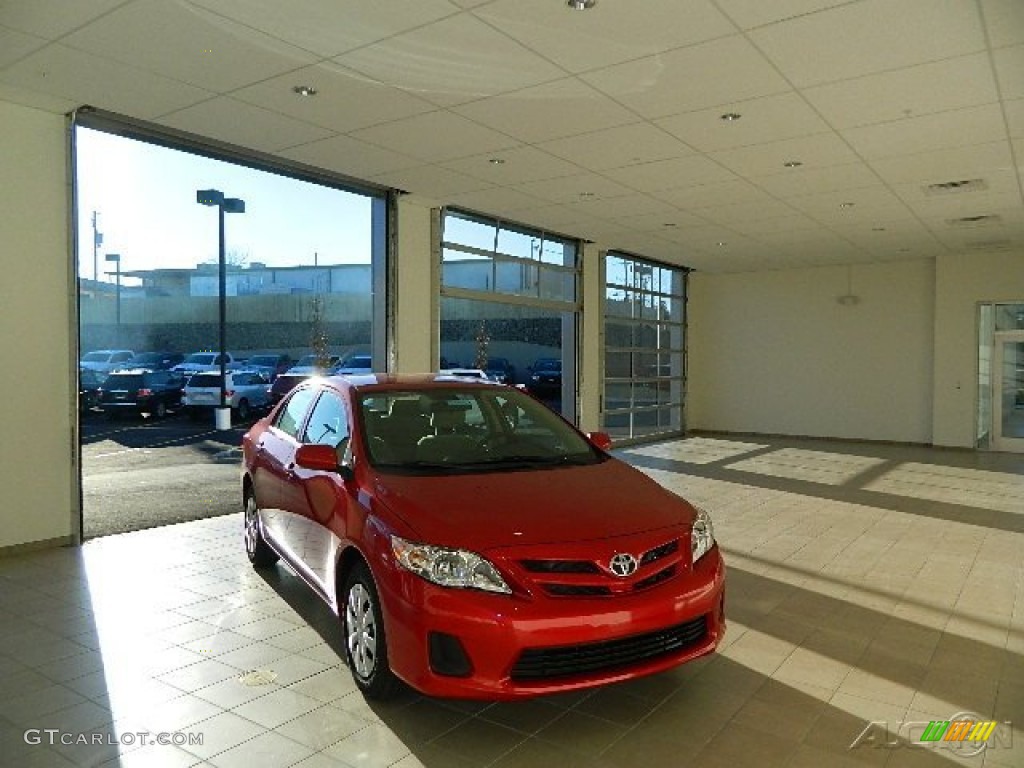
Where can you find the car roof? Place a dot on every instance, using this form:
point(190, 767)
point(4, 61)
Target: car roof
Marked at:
point(373, 382)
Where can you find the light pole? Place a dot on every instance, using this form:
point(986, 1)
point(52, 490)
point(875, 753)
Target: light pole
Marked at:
point(116, 258)
point(224, 205)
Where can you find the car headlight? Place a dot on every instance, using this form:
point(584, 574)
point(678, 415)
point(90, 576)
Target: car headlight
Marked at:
point(449, 567)
point(702, 537)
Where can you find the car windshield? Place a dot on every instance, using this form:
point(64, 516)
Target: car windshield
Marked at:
point(548, 365)
point(96, 357)
point(200, 358)
point(478, 429)
point(204, 380)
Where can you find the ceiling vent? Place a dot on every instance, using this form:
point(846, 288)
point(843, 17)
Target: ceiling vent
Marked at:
point(956, 187)
point(981, 220)
point(990, 246)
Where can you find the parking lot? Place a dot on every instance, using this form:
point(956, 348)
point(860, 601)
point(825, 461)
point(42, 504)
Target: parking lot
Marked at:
point(140, 472)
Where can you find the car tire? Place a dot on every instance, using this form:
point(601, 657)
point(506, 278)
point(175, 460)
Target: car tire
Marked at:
point(243, 409)
point(259, 552)
point(362, 624)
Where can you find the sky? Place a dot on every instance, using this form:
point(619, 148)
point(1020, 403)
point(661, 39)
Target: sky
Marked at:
point(145, 199)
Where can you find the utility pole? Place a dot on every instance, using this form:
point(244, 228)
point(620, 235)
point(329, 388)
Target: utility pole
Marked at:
point(97, 241)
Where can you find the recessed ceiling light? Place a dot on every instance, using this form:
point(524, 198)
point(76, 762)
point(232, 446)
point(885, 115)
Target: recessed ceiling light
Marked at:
point(878, 229)
point(721, 244)
point(497, 161)
point(792, 164)
point(669, 224)
point(730, 117)
point(581, 5)
point(846, 205)
point(304, 90)
point(586, 194)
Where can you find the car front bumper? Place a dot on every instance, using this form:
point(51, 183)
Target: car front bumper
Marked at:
point(515, 647)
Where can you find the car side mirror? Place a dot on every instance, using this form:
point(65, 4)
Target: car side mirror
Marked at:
point(319, 457)
point(600, 440)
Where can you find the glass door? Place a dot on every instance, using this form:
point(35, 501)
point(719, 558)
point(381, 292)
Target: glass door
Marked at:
point(1008, 392)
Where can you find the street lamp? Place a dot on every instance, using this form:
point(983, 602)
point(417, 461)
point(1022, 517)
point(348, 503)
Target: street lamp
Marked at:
point(116, 258)
point(224, 205)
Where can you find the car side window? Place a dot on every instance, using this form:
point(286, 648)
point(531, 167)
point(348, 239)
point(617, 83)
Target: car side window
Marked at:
point(328, 423)
point(289, 418)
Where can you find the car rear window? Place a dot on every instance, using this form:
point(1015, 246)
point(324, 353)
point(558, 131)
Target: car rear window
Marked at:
point(205, 380)
point(124, 381)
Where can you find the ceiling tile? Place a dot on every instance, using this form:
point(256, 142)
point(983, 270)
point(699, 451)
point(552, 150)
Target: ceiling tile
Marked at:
point(1015, 117)
point(655, 222)
point(495, 201)
point(939, 86)
point(571, 189)
point(430, 181)
point(755, 13)
point(790, 182)
point(435, 137)
point(226, 119)
point(330, 28)
point(690, 196)
point(65, 73)
point(976, 205)
point(622, 208)
point(609, 33)
point(52, 18)
point(519, 165)
point(666, 84)
point(851, 204)
point(665, 174)
point(345, 100)
point(944, 165)
point(820, 150)
point(869, 36)
point(974, 125)
point(614, 147)
point(36, 99)
point(15, 45)
point(770, 118)
point(193, 45)
point(452, 61)
point(1009, 63)
point(1004, 21)
point(997, 182)
point(737, 214)
point(550, 111)
point(350, 157)
point(756, 227)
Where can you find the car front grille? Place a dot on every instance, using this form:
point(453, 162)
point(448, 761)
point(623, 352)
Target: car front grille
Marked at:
point(591, 578)
point(608, 655)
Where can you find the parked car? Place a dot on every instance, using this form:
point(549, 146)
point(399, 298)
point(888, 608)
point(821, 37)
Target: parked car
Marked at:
point(103, 361)
point(270, 366)
point(545, 377)
point(500, 369)
point(245, 391)
point(309, 364)
point(198, 362)
point(141, 391)
point(284, 384)
point(154, 361)
point(89, 382)
point(469, 373)
point(355, 365)
point(473, 543)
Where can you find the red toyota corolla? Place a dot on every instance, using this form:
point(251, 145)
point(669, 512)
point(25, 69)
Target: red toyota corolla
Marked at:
point(473, 543)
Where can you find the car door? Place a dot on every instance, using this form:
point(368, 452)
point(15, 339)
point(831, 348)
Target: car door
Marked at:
point(316, 500)
point(274, 454)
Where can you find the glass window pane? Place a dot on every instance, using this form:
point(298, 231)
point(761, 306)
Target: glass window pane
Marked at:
point(561, 252)
point(471, 232)
point(1009, 317)
point(618, 334)
point(520, 244)
point(617, 396)
point(617, 365)
point(472, 275)
point(615, 271)
point(557, 284)
point(618, 302)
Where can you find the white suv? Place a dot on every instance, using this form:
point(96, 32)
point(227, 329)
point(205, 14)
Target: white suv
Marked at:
point(246, 391)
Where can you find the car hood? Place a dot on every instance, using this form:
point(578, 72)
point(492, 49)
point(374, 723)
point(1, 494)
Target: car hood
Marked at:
point(482, 511)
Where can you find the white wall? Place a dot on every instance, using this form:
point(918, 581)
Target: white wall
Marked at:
point(36, 473)
point(775, 352)
point(961, 283)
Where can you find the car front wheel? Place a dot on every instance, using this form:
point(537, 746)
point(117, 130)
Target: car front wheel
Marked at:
point(256, 547)
point(365, 642)
point(243, 409)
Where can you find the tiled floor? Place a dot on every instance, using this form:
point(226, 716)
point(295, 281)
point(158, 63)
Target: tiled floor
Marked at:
point(866, 583)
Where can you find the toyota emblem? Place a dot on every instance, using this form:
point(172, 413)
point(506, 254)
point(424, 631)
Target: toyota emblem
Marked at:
point(622, 564)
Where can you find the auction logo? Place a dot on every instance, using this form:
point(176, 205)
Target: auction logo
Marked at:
point(966, 732)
